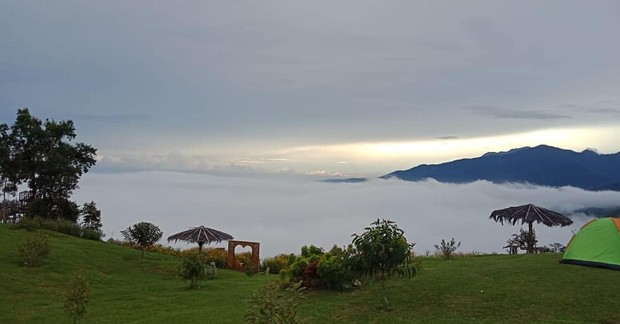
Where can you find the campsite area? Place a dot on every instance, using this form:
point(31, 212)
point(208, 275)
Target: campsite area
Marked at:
point(468, 289)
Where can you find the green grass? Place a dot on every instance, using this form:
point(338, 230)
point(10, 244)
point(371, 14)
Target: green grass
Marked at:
point(474, 289)
point(125, 288)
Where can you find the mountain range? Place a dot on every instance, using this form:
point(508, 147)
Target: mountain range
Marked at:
point(541, 165)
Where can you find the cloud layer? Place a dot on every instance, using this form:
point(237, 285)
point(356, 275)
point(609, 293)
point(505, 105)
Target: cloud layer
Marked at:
point(286, 213)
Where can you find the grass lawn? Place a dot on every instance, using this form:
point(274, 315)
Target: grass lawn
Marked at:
point(126, 288)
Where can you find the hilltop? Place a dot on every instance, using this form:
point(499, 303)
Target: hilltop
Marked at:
point(541, 165)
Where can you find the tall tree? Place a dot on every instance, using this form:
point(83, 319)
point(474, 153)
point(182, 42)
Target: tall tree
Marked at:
point(8, 173)
point(49, 163)
point(91, 216)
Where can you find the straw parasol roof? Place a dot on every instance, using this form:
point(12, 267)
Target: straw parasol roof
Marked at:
point(529, 214)
point(200, 235)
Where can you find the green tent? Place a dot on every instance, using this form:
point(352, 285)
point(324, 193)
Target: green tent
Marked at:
point(597, 244)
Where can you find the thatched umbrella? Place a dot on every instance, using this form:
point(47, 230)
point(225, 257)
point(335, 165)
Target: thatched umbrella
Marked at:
point(529, 214)
point(200, 235)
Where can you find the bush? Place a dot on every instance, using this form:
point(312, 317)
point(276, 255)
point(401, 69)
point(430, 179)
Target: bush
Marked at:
point(273, 305)
point(333, 272)
point(59, 225)
point(193, 269)
point(304, 269)
point(92, 234)
point(277, 263)
point(245, 259)
point(446, 248)
point(216, 255)
point(318, 269)
point(34, 250)
point(161, 249)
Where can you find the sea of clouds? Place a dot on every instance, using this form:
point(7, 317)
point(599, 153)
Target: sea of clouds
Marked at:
point(284, 213)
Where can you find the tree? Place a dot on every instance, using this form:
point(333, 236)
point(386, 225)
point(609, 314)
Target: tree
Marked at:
point(91, 216)
point(8, 174)
point(143, 234)
point(77, 297)
point(382, 249)
point(193, 269)
point(42, 156)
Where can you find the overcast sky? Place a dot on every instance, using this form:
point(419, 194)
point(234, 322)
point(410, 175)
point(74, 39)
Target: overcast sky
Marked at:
point(243, 98)
point(354, 88)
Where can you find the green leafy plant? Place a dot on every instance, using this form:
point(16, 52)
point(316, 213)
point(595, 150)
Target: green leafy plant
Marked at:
point(272, 305)
point(43, 155)
point(381, 249)
point(34, 250)
point(522, 240)
point(447, 248)
point(77, 297)
point(143, 234)
point(277, 263)
point(193, 269)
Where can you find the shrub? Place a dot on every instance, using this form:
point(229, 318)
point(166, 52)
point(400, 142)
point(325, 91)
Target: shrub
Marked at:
point(216, 255)
point(34, 250)
point(65, 227)
point(245, 259)
point(333, 272)
point(318, 269)
point(59, 225)
point(446, 248)
point(193, 269)
point(305, 267)
point(161, 249)
point(277, 263)
point(77, 297)
point(274, 305)
point(382, 248)
point(92, 234)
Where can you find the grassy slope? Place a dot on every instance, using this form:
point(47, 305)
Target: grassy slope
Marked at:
point(126, 288)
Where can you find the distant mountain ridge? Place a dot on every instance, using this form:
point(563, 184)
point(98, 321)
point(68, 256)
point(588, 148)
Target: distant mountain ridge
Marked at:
point(541, 165)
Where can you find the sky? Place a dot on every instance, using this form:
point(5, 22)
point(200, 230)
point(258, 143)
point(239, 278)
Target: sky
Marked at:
point(347, 88)
point(236, 93)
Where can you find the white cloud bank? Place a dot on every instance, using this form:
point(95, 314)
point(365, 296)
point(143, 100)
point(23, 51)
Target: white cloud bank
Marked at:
point(285, 213)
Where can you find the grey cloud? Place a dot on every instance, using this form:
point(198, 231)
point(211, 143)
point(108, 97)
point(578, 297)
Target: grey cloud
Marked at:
point(498, 112)
point(285, 213)
point(299, 73)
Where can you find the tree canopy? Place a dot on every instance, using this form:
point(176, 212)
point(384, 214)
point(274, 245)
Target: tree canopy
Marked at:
point(143, 234)
point(42, 155)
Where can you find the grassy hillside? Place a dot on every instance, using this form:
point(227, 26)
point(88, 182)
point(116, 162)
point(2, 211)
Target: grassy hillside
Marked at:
point(476, 289)
point(124, 287)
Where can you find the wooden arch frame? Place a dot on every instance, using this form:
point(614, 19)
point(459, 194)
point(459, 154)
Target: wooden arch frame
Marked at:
point(231, 261)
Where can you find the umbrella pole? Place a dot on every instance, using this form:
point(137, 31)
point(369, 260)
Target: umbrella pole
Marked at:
point(530, 238)
point(200, 247)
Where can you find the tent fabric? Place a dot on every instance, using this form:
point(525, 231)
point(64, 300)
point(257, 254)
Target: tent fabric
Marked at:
point(597, 244)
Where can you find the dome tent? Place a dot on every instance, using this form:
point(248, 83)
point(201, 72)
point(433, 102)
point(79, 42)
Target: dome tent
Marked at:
point(597, 244)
